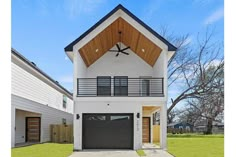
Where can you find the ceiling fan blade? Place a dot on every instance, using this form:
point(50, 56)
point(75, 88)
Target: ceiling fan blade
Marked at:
point(125, 48)
point(118, 47)
point(113, 50)
point(125, 52)
point(117, 54)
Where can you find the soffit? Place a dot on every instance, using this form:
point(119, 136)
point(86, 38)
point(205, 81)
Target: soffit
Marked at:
point(106, 39)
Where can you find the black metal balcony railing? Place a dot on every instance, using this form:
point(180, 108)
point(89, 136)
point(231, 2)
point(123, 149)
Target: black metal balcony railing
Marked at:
point(120, 86)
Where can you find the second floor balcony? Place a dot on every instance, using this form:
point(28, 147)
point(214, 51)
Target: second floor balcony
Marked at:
point(120, 86)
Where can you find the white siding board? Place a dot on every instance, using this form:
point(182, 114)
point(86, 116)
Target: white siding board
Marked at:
point(49, 115)
point(30, 87)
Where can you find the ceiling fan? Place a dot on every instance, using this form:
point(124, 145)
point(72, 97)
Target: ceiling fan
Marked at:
point(119, 49)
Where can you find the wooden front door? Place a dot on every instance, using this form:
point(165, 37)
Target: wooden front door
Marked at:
point(146, 129)
point(32, 129)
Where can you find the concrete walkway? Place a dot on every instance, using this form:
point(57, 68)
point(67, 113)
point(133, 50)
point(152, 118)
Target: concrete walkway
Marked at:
point(148, 146)
point(153, 150)
point(157, 153)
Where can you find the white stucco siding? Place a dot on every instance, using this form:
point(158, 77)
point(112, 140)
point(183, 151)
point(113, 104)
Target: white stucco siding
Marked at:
point(82, 68)
point(26, 85)
point(124, 65)
point(158, 68)
point(103, 107)
point(48, 116)
point(79, 71)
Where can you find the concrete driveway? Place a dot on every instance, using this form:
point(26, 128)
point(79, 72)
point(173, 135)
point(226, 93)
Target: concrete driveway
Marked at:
point(105, 153)
point(120, 153)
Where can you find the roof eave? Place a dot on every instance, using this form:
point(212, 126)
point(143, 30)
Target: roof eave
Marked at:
point(169, 45)
point(16, 53)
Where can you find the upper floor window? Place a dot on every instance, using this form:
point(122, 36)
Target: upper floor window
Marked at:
point(64, 101)
point(104, 85)
point(121, 85)
point(145, 87)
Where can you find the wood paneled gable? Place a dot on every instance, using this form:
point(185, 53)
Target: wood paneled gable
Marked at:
point(106, 39)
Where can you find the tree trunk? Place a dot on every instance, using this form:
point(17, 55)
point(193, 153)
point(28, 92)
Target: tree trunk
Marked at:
point(209, 126)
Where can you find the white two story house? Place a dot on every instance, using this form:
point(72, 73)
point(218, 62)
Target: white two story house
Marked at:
point(37, 101)
point(120, 80)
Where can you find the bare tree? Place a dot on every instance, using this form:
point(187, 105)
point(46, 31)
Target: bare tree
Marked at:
point(189, 65)
point(171, 116)
point(188, 114)
point(211, 105)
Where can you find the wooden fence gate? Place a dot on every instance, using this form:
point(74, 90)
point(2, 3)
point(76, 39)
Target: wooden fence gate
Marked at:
point(61, 133)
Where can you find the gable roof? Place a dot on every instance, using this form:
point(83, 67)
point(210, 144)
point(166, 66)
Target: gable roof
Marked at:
point(170, 46)
point(33, 65)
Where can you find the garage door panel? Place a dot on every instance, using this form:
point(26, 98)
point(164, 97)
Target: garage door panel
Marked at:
point(115, 131)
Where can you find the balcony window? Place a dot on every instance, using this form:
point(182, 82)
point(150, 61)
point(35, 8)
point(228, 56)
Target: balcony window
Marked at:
point(121, 85)
point(103, 85)
point(145, 87)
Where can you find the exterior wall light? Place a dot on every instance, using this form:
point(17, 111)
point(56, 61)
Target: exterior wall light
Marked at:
point(77, 116)
point(138, 115)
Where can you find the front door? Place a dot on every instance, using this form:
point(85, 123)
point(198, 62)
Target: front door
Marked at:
point(32, 129)
point(146, 129)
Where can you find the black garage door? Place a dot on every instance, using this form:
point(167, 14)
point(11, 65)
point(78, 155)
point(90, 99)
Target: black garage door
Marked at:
point(107, 131)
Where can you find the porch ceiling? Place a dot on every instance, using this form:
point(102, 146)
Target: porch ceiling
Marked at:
point(150, 109)
point(130, 36)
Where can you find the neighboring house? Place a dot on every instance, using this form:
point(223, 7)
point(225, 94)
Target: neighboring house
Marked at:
point(116, 93)
point(36, 102)
point(181, 125)
point(201, 127)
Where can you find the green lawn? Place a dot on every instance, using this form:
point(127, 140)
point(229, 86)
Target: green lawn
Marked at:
point(43, 150)
point(140, 152)
point(178, 145)
point(196, 145)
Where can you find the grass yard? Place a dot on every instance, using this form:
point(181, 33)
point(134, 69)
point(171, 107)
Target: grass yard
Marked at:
point(196, 145)
point(43, 150)
point(178, 145)
point(140, 152)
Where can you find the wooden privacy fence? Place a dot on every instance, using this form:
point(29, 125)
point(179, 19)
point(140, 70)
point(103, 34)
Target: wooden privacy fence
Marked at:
point(156, 133)
point(61, 133)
